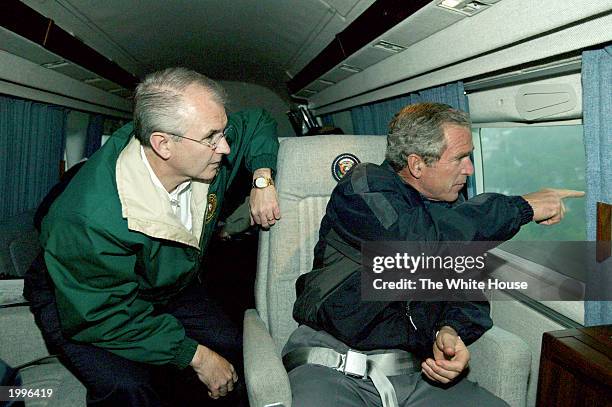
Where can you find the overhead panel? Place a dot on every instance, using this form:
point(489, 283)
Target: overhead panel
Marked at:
point(466, 7)
point(340, 73)
point(72, 70)
point(27, 23)
point(421, 25)
point(367, 27)
point(368, 55)
point(495, 36)
point(343, 6)
point(319, 84)
point(17, 45)
point(305, 93)
point(101, 83)
point(340, 14)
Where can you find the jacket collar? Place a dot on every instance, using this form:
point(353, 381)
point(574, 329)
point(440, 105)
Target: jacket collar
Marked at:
point(147, 209)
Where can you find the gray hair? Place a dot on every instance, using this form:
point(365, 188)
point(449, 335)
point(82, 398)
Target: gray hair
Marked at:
point(159, 102)
point(419, 129)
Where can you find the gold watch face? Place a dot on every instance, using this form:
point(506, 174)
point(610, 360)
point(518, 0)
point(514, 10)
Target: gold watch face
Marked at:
point(261, 182)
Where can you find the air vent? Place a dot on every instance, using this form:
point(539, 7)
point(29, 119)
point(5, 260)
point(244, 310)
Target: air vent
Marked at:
point(465, 7)
point(389, 47)
point(350, 68)
point(93, 81)
point(326, 82)
point(305, 93)
point(55, 64)
point(101, 83)
point(535, 102)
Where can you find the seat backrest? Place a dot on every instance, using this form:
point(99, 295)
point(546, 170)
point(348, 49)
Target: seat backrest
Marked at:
point(304, 183)
point(18, 244)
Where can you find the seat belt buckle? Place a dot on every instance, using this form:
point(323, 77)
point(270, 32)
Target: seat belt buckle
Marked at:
point(354, 363)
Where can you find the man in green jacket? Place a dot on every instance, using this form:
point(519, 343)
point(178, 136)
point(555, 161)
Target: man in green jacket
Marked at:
point(123, 244)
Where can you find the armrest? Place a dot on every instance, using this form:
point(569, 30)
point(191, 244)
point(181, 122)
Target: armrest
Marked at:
point(21, 340)
point(501, 362)
point(266, 379)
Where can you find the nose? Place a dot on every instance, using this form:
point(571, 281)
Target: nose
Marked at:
point(468, 167)
point(223, 147)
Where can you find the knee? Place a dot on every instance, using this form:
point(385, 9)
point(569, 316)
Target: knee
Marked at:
point(124, 390)
point(318, 386)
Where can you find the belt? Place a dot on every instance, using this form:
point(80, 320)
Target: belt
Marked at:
point(376, 367)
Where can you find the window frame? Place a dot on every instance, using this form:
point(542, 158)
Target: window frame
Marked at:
point(513, 267)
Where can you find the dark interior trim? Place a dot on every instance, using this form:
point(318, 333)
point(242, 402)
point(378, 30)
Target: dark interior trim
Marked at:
point(375, 21)
point(28, 23)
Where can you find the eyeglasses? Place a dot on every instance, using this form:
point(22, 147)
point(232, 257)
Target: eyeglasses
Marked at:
point(214, 142)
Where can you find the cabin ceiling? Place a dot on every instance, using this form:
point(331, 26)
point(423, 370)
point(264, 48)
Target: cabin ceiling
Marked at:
point(256, 41)
point(318, 50)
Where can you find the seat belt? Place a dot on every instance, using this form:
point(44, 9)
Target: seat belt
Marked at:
point(376, 367)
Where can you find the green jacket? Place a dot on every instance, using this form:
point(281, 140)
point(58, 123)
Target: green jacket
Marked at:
point(113, 247)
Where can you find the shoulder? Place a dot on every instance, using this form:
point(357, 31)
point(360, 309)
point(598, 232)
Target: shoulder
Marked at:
point(92, 192)
point(368, 177)
point(249, 116)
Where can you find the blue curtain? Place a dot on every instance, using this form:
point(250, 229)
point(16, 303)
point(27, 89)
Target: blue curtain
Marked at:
point(597, 121)
point(95, 129)
point(32, 144)
point(374, 118)
point(328, 120)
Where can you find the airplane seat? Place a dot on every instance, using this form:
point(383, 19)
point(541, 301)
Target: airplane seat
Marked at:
point(18, 244)
point(305, 178)
point(23, 346)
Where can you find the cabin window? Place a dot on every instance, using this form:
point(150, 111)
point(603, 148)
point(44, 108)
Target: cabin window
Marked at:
point(517, 160)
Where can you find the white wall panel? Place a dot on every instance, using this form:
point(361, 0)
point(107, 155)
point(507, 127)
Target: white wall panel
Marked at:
point(497, 38)
point(247, 95)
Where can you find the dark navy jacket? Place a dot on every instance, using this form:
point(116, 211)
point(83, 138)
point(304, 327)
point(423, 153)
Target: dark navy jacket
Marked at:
point(372, 203)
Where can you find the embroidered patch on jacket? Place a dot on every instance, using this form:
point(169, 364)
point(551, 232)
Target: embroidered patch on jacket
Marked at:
point(342, 164)
point(211, 207)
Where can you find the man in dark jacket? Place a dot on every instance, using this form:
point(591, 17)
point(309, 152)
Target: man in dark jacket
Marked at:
point(124, 241)
point(412, 196)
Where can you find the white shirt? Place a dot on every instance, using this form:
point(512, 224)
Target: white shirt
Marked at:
point(179, 198)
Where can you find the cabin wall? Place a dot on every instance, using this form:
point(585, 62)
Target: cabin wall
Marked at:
point(473, 47)
point(530, 325)
point(76, 137)
point(248, 95)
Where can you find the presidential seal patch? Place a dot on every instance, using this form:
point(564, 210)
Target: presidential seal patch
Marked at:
point(342, 164)
point(211, 206)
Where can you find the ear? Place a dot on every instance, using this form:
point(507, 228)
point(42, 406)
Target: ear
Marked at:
point(160, 143)
point(415, 165)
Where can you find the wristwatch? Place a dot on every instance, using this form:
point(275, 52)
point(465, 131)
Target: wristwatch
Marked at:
point(262, 182)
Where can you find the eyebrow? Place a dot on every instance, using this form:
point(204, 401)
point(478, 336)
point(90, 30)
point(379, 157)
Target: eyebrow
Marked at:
point(462, 155)
point(211, 133)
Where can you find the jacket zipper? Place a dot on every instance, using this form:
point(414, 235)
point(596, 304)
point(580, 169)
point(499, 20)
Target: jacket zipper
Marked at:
point(410, 316)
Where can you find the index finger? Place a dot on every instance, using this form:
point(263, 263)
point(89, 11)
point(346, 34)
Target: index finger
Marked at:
point(570, 193)
point(449, 366)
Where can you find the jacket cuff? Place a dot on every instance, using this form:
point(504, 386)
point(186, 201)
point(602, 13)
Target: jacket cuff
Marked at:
point(263, 161)
point(526, 211)
point(184, 355)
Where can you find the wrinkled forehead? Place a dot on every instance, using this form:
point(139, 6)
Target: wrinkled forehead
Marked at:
point(204, 110)
point(457, 138)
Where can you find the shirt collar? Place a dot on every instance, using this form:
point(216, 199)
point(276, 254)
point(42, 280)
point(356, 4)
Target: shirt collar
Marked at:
point(176, 191)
